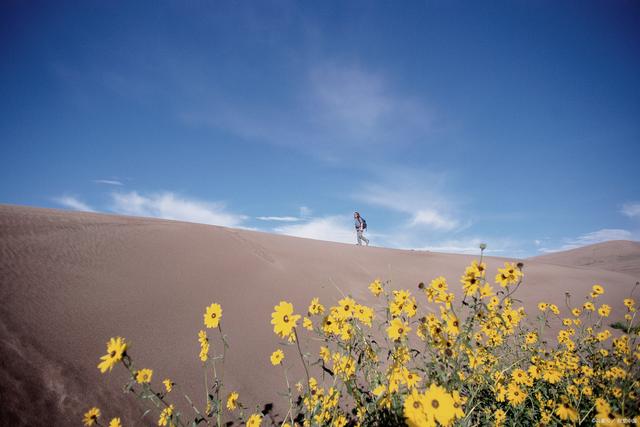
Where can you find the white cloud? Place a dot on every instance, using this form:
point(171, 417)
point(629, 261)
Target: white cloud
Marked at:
point(433, 219)
point(632, 210)
point(591, 238)
point(72, 202)
point(278, 218)
point(168, 205)
point(108, 182)
point(332, 228)
point(415, 194)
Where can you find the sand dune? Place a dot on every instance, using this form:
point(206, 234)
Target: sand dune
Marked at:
point(617, 255)
point(69, 281)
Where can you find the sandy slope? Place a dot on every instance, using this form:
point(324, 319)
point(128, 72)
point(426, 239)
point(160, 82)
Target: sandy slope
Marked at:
point(617, 255)
point(69, 281)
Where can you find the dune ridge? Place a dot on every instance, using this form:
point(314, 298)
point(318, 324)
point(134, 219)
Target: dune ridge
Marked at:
point(615, 255)
point(71, 280)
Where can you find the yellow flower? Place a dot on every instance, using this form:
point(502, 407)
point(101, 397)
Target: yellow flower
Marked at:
point(395, 308)
point(453, 325)
point(212, 316)
point(307, 324)
point(629, 302)
point(551, 375)
point(398, 329)
point(202, 337)
point(204, 345)
point(345, 308)
point(486, 291)
point(597, 290)
point(515, 395)
point(283, 319)
point(458, 401)
point(330, 325)
point(315, 307)
point(232, 401)
point(542, 306)
point(204, 352)
point(439, 284)
point(411, 379)
point(325, 354)
point(340, 421)
point(115, 422)
point(166, 415)
point(168, 385)
point(364, 314)
point(554, 309)
point(143, 376)
point(509, 275)
point(116, 348)
point(589, 306)
point(376, 287)
point(519, 376)
point(470, 283)
point(499, 416)
point(479, 268)
point(439, 404)
point(414, 410)
point(531, 338)
point(254, 420)
point(91, 416)
point(565, 412)
point(576, 312)
point(277, 357)
point(344, 366)
point(604, 310)
point(602, 405)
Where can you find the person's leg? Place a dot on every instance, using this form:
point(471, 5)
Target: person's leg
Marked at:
point(365, 239)
point(360, 237)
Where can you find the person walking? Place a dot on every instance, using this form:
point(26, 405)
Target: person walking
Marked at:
point(361, 225)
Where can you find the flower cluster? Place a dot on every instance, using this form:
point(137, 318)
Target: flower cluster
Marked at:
point(421, 358)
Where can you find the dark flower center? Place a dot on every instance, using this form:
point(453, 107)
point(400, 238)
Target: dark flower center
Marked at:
point(285, 318)
point(435, 403)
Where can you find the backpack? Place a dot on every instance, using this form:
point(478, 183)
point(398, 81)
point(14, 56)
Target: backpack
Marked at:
point(364, 223)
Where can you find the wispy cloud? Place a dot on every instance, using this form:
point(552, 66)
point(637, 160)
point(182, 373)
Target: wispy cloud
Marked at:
point(72, 202)
point(415, 194)
point(632, 209)
point(278, 218)
point(332, 228)
point(169, 205)
point(108, 182)
point(591, 238)
point(335, 105)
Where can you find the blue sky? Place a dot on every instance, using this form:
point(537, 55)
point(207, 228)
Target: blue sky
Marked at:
point(444, 123)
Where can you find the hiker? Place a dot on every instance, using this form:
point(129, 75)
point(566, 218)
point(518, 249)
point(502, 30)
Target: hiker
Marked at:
point(361, 225)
